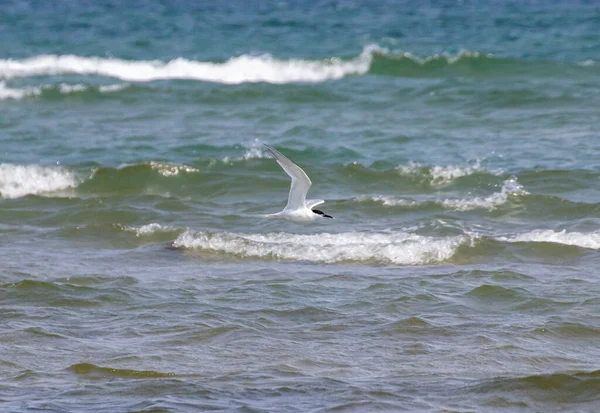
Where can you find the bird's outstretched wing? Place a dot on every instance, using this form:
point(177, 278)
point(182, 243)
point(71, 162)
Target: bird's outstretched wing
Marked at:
point(300, 181)
point(311, 203)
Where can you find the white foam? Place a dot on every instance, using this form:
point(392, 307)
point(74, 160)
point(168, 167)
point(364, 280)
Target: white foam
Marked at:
point(150, 229)
point(16, 94)
point(112, 88)
point(19, 180)
point(64, 88)
point(256, 151)
point(509, 188)
point(241, 69)
point(390, 248)
point(167, 169)
point(412, 168)
point(442, 175)
point(447, 57)
point(584, 240)
point(390, 201)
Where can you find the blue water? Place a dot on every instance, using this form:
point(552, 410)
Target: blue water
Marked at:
point(455, 143)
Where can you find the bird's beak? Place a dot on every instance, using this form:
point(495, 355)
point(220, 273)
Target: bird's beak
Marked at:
point(327, 216)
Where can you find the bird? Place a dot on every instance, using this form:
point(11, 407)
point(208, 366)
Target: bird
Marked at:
point(298, 208)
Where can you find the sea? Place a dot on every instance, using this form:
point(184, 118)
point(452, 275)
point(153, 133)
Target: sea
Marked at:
point(456, 144)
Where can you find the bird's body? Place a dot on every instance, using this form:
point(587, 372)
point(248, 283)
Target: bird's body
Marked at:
point(298, 209)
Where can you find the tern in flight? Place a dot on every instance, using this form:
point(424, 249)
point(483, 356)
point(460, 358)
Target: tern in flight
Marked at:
point(298, 208)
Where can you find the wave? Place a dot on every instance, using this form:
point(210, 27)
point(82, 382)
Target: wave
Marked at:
point(20, 180)
point(255, 151)
point(574, 387)
point(151, 229)
point(135, 178)
point(168, 169)
point(94, 370)
point(588, 62)
point(49, 90)
point(442, 175)
point(388, 248)
point(385, 248)
point(578, 239)
point(389, 201)
point(509, 190)
point(245, 68)
point(241, 69)
point(11, 93)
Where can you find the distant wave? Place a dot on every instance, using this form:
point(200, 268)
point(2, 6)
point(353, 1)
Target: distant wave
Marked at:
point(169, 169)
point(255, 151)
point(94, 370)
point(150, 229)
point(19, 180)
point(389, 200)
point(442, 175)
point(587, 62)
point(253, 68)
point(62, 88)
point(579, 239)
point(392, 248)
point(571, 386)
point(242, 69)
point(509, 188)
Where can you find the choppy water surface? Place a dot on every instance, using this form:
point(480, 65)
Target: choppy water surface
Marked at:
point(456, 146)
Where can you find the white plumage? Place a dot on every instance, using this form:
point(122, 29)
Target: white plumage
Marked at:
point(298, 208)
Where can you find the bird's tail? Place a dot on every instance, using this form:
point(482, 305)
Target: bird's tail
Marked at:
point(270, 215)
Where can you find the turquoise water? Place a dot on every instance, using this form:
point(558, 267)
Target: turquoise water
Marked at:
point(456, 145)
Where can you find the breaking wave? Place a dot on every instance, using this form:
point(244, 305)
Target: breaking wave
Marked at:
point(579, 239)
point(245, 68)
point(509, 189)
point(442, 175)
point(241, 69)
point(7, 92)
point(389, 248)
point(168, 169)
point(150, 229)
point(20, 180)
point(255, 151)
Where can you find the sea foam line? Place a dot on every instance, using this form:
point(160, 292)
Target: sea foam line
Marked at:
point(254, 151)
point(393, 248)
point(169, 169)
point(443, 175)
point(150, 229)
point(579, 239)
point(20, 180)
point(7, 92)
point(241, 69)
point(509, 188)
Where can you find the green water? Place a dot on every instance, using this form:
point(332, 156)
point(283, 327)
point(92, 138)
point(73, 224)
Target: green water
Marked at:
point(456, 145)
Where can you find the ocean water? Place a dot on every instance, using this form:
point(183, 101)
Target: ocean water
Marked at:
point(456, 143)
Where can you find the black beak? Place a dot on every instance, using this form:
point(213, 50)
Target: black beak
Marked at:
point(316, 211)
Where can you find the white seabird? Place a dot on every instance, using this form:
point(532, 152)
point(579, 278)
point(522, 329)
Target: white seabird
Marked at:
point(298, 208)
